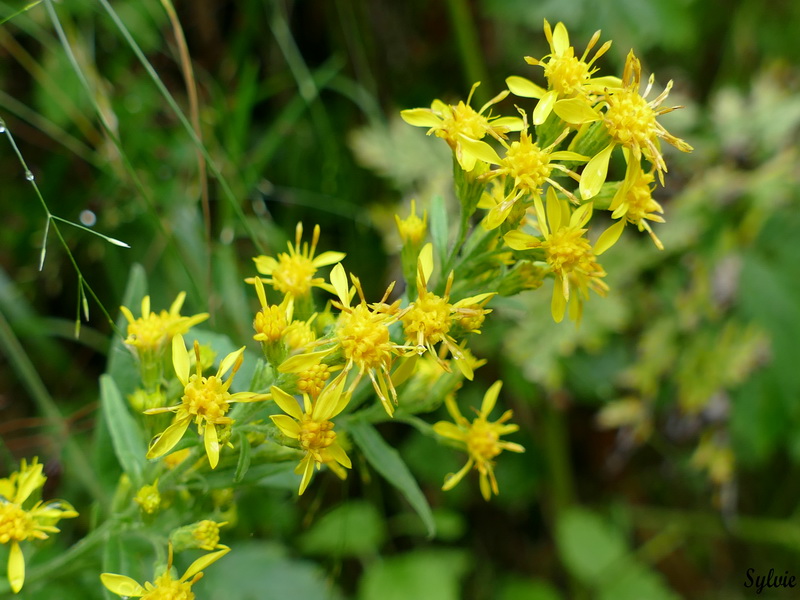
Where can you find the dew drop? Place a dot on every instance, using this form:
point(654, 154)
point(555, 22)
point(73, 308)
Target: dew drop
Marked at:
point(2, 126)
point(88, 218)
point(28, 175)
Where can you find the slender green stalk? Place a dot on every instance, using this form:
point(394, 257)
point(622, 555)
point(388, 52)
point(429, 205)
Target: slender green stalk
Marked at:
point(468, 46)
point(79, 465)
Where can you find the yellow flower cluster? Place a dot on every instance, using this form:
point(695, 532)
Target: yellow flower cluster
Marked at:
point(557, 170)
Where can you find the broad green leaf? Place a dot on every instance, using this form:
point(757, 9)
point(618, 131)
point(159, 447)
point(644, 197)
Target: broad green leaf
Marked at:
point(352, 529)
point(126, 436)
point(428, 574)
point(587, 545)
point(244, 457)
point(388, 463)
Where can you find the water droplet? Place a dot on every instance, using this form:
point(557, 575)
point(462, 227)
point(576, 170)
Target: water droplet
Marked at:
point(28, 175)
point(2, 126)
point(88, 218)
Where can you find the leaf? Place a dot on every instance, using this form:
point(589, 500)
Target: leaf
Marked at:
point(388, 463)
point(439, 227)
point(587, 545)
point(352, 529)
point(244, 458)
point(429, 574)
point(126, 436)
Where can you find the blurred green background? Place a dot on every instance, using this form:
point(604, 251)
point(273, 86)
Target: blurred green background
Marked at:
point(662, 435)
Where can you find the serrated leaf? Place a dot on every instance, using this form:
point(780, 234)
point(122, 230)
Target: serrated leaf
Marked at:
point(126, 436)
point(386, 461)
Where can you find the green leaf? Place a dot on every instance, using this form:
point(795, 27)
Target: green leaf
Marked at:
point(388, 463)
point(122, 366)
point(244, 458)
point(352, 529)
point(587, 545)
point(429, 574)
point(126, 436)
point(439, 228)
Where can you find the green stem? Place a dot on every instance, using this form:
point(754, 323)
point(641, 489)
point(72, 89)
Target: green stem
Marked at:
point(468, 45)
point(79, 465)
point(556, 449)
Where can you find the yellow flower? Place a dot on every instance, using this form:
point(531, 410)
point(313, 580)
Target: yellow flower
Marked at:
point(18, 524)
point(154, 331)
point(412, 229)
point(272, 320)
point(631, 122)
point(205, 401)
point(362, 333)
point(716, 458)
point(570, 85)
point(164, 587)
point(202, 534)
point(480, 438)
point(455, 123)
point(312, 427)
point(568, 253)
point(293, 273)
point(427, 321)
point(148, 498)
point(529, 166)
point(633, 203)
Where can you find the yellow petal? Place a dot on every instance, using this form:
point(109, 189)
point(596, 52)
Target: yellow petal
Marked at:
point(229, 361)
point(265, 264)
point(308, 469)
point(180, 359)
point(508, 123)
point(448, 430)
point(465, 368)
point(405, 370)
point(451, 479)
point(16, 567)
point(425, 261)
point(525, 88)
point(288, 426)
point(287, 403)
point(478, 149)
point(575, 111)
point(302, 362)
point(420, 117)
point(128, 314)
point(339, 455)
point(175, 307)
point(567, 155)
point(490, 398)
point(121, 585)
point(541, 217)
point(499, 213)
point(609, 237)
point(146, 306)
point(339, 282)
point(518, 240)
point(553, 212)
point(171, 436)
point(581, 215)
point(211, 443)
point(544, 107)
point(204, 562)
point(328, 258)
point(595, 172)
point(558, 302)
point(560, 39)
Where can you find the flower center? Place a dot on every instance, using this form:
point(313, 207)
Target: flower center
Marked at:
point(207, 534)
point(170, 589)
point(15, 524)
point(630, 120)
point(150, 333)
point(462, 119)
point(312, 380)
point(206, 397)
point(640, 201)
point(315, 435)
point(567, 249)
point(298, 334)
point(364, 339)
point(482, 441)
point(269, 324)
point(566, 74)
point(472, 318)
point(428, 316)
point(293, 274)
point(528, 164)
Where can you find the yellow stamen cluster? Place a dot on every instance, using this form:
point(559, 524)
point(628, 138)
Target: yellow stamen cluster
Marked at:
point(312, 380)
point(152, 331)
point(206, 399)
point(528, 164)
point(566, 73)
point(206, 534)
point(148, 498)
point(428, 318)
point(16, 525)
point(629, 119)
point(270, 323)
point(315, 436)
point(364, 338)
point(567, 249)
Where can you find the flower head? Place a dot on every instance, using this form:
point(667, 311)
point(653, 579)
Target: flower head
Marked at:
point(571, 87)
point(454, 123)
point(312, 427)
point(481, 439)
point(428, 320)
point(148, 498)
point(153, 331)
point(205, 400)
point(293, 273)
point(20, 524)
point(568, 252)
point(362, 334)
point(412, 229)
point(164, 587)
